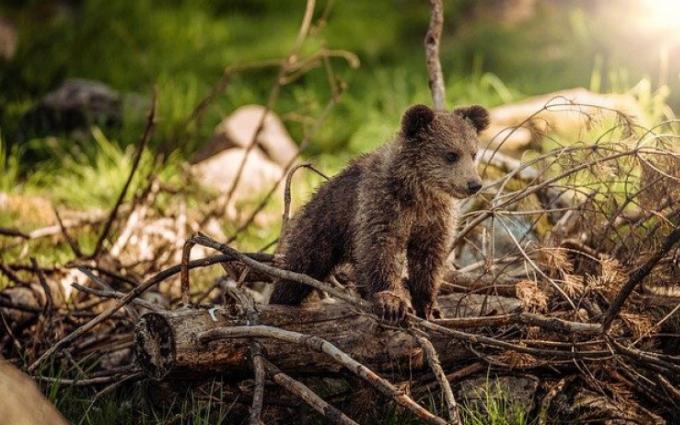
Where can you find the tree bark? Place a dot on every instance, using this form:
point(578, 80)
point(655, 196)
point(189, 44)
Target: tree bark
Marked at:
point(167, 342)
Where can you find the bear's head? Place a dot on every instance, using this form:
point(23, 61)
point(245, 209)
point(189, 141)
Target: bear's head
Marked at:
point(441, 147)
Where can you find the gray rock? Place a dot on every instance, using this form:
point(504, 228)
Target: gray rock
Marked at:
point(503, 230)
point(239, 128)
point(75, 105)
point(219, 171)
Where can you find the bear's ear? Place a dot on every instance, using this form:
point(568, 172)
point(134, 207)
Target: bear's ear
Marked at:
point(477, 115)
point(415, 119)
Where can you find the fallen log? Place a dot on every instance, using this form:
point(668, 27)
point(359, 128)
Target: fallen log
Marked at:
point(167, 343)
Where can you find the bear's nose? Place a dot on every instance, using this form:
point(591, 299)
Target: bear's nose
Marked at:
point(473, 187)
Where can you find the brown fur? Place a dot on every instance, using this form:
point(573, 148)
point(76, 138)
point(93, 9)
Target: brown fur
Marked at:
point(390, 211)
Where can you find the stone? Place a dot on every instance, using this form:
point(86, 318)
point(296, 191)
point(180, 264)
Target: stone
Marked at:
point(75, 105)
point(505, 231)
point(219, 171)
point(568, 111)
point(238, 129)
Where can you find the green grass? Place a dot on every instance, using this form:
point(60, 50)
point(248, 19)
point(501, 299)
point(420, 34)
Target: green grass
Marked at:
point(147, 403)
point(138, 403)
point(10, 167)
point(131, 405)
point(495, 407)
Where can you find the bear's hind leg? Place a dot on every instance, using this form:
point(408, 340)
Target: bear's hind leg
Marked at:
point(316, 263)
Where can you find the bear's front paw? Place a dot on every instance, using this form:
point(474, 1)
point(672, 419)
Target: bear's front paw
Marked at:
point(390, 307)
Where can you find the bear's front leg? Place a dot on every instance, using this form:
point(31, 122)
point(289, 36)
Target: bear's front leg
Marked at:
point(427, 252)
point(380, 256)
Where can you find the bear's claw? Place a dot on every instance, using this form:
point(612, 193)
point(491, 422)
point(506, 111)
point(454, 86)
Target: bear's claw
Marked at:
point(390, 307)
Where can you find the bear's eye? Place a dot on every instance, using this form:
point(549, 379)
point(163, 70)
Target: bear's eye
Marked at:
point(451, 157)
point(474, 156)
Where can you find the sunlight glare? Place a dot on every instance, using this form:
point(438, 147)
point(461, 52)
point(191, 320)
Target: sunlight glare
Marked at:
point(663, 14)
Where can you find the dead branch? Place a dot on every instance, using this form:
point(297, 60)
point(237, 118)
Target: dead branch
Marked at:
point(274, 92)
point(260, 374)
point(4, 231)
point(531, 319)
point(637, 277)
point(115, 295)
point(73, 244)
point(137, 291)
point(300, 390)
point(434, 68)
point(276, 272)
point(139, 150)
point(184, 273)
point(360, 335)
point(286, 192)
point(435, 365)
point(321, 345)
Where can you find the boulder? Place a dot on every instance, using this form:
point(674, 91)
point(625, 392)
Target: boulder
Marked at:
point(568, 111)
point(219, 171)
point(238, 129)
point(504, 231)
point(74, 105)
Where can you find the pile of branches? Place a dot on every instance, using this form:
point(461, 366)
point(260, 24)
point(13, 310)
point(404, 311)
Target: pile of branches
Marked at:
point(584, 303)
point(582, 300)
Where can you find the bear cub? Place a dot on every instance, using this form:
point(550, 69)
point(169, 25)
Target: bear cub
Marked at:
point(391, 214)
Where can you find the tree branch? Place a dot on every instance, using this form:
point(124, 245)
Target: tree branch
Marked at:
point(302, 391)
point(321, 345)
point(143, 141)
point(638, 277)
point(434, 67)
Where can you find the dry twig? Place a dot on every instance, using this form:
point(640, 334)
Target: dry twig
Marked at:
point(435, 365)
point(297, 388)
point(139, 151)
point(637, 277)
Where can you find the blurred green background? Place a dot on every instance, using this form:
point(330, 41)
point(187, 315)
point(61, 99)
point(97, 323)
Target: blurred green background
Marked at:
point(493, 52)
